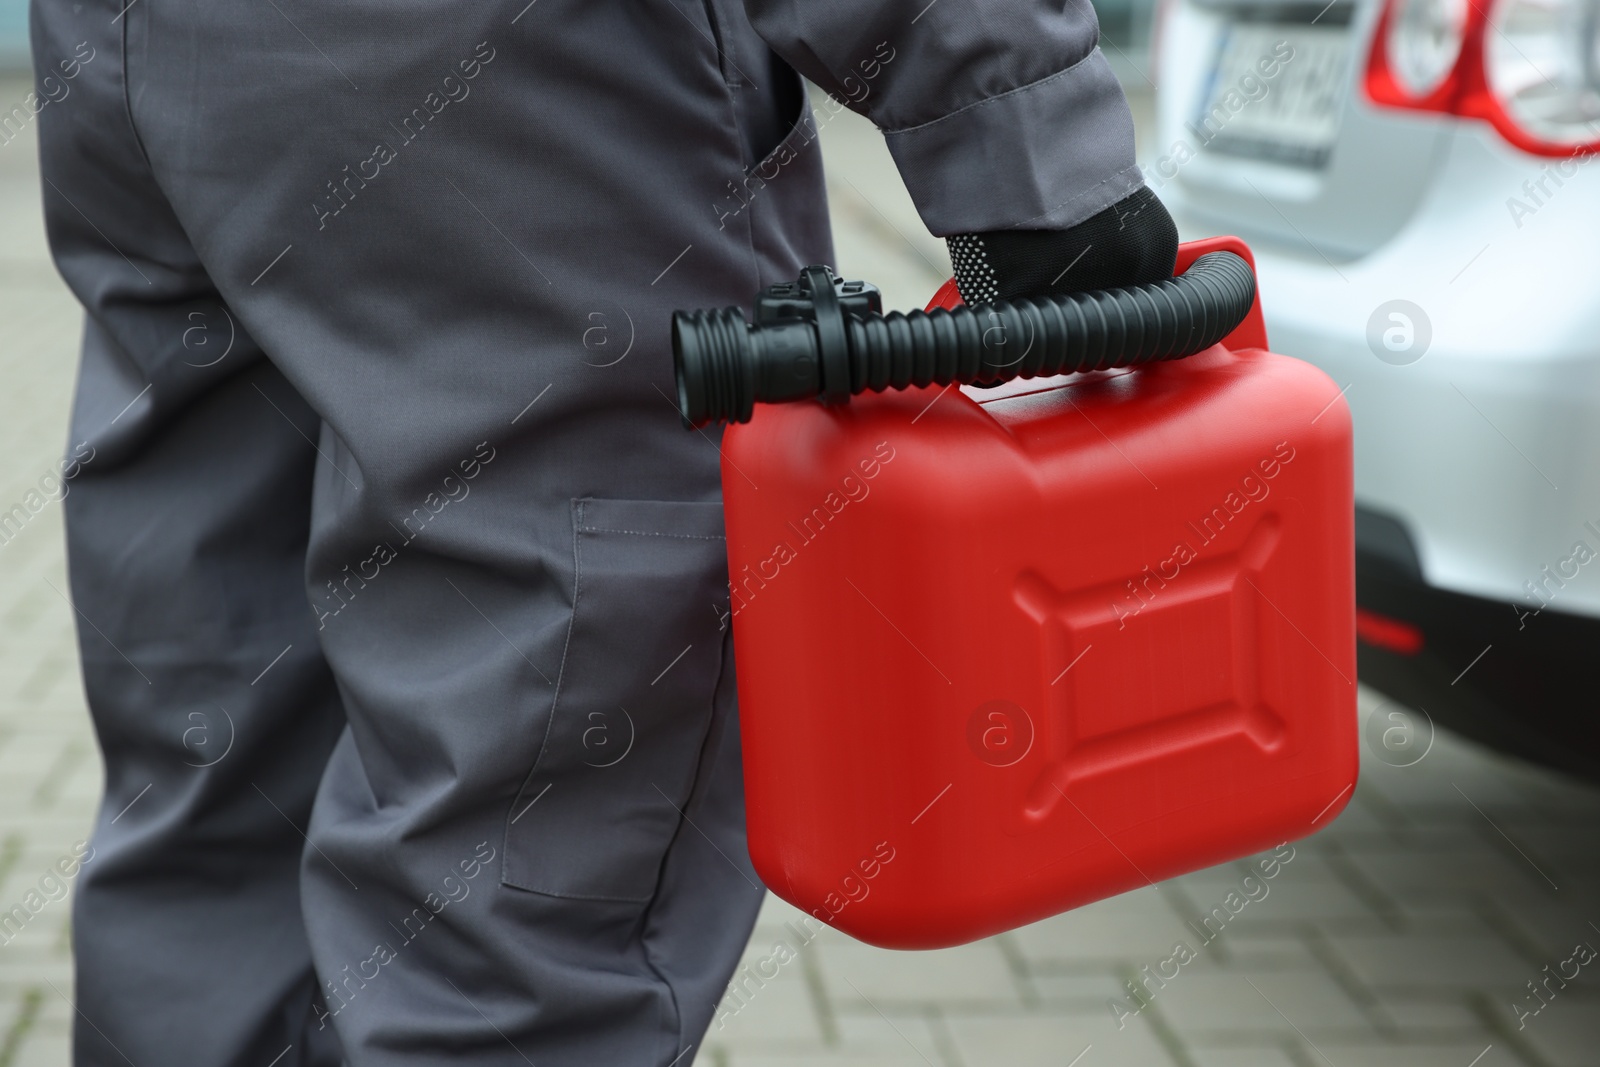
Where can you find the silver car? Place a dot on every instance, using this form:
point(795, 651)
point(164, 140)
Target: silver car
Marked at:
point(1416, 179)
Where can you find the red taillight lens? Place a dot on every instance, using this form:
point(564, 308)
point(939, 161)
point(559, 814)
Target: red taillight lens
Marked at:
point(1543, 64)
point(1530, 68)
point(1423, 43)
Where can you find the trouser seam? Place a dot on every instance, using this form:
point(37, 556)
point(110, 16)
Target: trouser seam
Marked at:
point(127, 92)
point(699, 777)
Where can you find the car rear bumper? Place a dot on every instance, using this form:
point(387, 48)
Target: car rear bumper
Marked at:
point(1484, 441)
point(1521, 681)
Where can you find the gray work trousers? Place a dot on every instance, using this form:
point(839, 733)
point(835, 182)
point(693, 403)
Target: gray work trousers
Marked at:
point(402, 593)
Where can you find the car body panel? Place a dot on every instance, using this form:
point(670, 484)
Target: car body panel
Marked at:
point(1380, 166)
point(1487, 447)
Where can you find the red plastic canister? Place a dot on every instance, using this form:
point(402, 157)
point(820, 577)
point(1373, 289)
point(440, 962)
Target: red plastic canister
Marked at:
point(1005, 652)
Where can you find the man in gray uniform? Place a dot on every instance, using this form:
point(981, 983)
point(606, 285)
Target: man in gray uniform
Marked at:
point(401, 589)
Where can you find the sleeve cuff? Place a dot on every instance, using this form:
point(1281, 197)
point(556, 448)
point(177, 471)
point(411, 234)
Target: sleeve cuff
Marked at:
point(1043, 157)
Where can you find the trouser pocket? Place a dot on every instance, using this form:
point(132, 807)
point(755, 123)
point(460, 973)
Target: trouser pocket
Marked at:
point(633, 701)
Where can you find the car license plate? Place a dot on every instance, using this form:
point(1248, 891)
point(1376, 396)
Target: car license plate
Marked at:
point(1275, 92)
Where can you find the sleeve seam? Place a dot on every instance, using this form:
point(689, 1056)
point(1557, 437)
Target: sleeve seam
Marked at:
point(1047, 79)
point(1121, 176)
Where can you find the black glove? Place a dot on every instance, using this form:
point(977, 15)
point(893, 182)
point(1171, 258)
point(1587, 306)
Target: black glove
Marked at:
point(1131, 242)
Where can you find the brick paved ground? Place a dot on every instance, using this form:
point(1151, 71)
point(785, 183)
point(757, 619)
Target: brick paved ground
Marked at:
point(49, 769)
point(1404, 934)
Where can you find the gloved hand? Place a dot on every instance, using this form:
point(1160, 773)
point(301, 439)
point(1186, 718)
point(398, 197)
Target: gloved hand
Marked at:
point(1131, 242)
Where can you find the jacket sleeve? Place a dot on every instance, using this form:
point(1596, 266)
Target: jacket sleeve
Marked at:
point(999, 113)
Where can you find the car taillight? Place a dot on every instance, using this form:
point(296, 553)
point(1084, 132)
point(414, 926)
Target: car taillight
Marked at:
point(1543, 64)
point(1424, 43)
point(1529, 68)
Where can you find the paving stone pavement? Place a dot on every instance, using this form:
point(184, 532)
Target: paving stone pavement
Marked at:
point(1404, 934)
point(1407, 933)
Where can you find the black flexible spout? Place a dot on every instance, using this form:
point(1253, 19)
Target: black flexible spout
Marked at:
point(824, 338)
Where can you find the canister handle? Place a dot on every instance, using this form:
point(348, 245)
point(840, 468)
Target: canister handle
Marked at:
point(814, 341)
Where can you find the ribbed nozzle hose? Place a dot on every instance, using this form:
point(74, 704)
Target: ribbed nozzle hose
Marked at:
point(724, 364)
